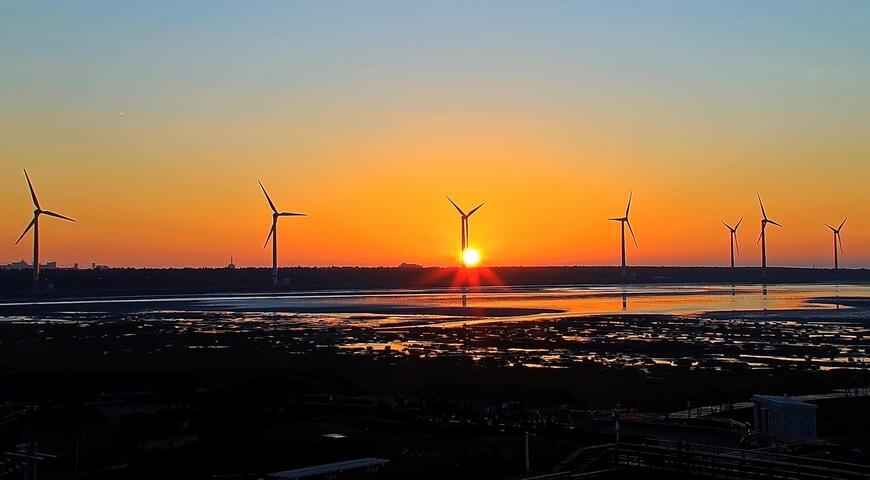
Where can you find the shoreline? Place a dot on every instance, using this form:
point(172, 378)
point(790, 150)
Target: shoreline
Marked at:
point(133, 283)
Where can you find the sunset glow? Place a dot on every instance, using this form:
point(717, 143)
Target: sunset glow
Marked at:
point(470, 257)
point(550, 115)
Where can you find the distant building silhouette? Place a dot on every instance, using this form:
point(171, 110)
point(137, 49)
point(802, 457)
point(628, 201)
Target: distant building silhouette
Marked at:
point(22, 265)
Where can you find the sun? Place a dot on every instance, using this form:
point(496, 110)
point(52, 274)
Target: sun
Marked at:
point(470, 257)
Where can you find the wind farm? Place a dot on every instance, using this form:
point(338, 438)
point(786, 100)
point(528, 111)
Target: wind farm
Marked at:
point(468, 255)
point(148, 330)
point(273, 233)
point(732, 235)
point(623, 222)
point(762, 238)
point(470, 258)
point(34, 225)
point(838, 243)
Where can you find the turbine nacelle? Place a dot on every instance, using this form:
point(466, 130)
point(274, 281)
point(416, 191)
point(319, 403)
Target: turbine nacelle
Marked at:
point(764, 219)
point(625, 219)
point(837, 230)
point(735, 227)
point(838, 240)
point(464, 229)
point(275, 214)
point(273, 232)
point(733, 234)
point(461, 212)
point(34, 224)
point(37, 211)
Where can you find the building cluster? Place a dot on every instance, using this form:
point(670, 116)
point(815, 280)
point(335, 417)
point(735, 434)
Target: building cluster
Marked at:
point(23, 265)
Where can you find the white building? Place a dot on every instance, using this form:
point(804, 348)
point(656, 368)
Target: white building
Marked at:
point(784, 419)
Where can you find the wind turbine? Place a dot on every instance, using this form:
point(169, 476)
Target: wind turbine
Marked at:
point(464, 241)
point(762, 238)
point(837, 240)
point(273, 233)
point(624, 221)
point(733, 236)
point(34, 224)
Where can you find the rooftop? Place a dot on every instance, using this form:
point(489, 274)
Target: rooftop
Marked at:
point(329, 468)
point(782, 401)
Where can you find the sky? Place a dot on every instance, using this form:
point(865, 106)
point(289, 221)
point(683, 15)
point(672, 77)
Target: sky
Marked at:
point(365, 115)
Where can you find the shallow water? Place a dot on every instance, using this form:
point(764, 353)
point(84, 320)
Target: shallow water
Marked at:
point(508, 301)
point(639, 299)
point(755, 326)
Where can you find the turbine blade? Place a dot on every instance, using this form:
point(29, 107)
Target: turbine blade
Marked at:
point(271, 205)
point(841, 225)
point(763, 214)
point(57, 215)
point(771, 221)
point(759, 236)
point(832, 228)
point(736, 243)
point(474, 210)
point(32, 193)
point(727, 226)
point(29, 226)
point(738, 224)
point(627, 208)
point(291, 214)
point(271, 232)
point(632, 232)
point(840, 241)
point(457, 207)
point(620, 219)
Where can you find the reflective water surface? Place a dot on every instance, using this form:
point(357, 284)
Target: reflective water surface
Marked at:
point(641, 299)
point(721, 327)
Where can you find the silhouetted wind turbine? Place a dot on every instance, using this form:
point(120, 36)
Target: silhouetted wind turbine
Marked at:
point(34, 224)
point(837, 240)
point(273, 233)
point(624, 221)
point(762, 238)
point(733, 236)
point(464, 241)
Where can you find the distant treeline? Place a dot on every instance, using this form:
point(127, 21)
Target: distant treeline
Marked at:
point(130, 281)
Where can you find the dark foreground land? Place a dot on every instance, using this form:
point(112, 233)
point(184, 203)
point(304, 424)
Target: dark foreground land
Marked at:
point(170, 394)
point(59, 283)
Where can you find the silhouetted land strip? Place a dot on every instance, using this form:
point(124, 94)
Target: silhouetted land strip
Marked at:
point(857, 302)
point(208, 280)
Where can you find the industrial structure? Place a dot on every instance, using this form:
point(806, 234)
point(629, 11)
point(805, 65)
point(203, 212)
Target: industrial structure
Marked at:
point(784, 419)
point(273, 233)
point(624, 221)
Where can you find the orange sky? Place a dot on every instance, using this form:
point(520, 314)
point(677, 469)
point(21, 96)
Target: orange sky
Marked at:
point(369, 140)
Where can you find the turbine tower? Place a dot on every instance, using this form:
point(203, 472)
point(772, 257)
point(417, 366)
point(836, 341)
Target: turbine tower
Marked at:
point(837, 240)
point(733, 236)
point(34, 224)
point(624, 221)
point(464, 216)
point(763, 238)
point(273, 233)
